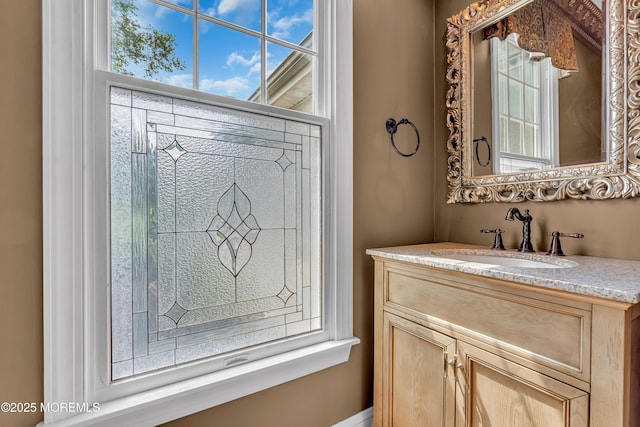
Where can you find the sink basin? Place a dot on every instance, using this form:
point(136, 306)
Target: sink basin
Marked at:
point(504, 259)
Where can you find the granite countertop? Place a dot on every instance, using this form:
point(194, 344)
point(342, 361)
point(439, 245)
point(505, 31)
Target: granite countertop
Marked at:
point(613, 279)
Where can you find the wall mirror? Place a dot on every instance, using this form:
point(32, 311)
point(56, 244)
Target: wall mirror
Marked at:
point(543, 100)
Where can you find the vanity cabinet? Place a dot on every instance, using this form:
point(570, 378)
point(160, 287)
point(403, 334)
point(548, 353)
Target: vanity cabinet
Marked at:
point(426, 385)
point(456, 349)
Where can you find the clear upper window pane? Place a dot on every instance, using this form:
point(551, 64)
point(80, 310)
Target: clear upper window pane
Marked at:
point(245, 13)
point(530, 140)
point(291, 21)
point(515, 62)
point(531, 72)
point(515, 136)
point(531, 105)
point(504, 131)
point(502, 58)
point(151, 41)
point(217, 46)
point(230, 62)
point(289, 78)
point(515, 99)
point(189, 4)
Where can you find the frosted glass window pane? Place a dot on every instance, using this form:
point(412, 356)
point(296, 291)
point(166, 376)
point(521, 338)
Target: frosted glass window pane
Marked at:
point(215, 241)
point(139, 233)
point(121, 225)
point(201, 180)
point(265, 276)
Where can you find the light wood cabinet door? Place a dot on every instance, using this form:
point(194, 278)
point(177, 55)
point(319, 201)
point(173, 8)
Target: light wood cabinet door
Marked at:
point(499, 393)
point(418, 389)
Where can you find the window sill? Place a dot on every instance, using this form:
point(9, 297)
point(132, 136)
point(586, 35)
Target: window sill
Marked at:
point(187, 397)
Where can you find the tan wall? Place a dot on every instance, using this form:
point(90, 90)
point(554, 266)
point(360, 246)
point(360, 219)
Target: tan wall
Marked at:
point(393, 205)
point(21, 363)
point(482, 103)
point(607, 225)
point(580, 100)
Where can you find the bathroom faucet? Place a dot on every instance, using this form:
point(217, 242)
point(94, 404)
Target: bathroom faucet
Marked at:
point(526, 219)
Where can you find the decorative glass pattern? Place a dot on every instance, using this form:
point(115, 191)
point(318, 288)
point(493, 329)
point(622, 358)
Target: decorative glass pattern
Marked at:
point(215, 230)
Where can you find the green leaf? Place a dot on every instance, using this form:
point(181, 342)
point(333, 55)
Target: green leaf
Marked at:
point(152, 50)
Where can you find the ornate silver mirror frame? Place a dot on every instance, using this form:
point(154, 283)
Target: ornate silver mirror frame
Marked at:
point(618, 177)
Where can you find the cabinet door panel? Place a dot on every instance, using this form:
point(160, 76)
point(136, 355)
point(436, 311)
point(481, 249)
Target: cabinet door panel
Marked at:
point(418, 388)
point(500, 393)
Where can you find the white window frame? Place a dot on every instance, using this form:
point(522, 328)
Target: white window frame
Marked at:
point(547, 110)
point(71, 212)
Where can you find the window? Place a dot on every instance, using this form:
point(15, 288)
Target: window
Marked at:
point(251, 50)
point(147, 185)
point(525, 87)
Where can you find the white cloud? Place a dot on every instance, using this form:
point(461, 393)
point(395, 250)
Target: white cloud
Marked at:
point(236, 58)
point(227, 87)
point(228, 6)
point(161, 12)
point(204, 26)
point(150, 13)
point(255, 69)
point(180, 80)
point(211, 11)
point(285, 23)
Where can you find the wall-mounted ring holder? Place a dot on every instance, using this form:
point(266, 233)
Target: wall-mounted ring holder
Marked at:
point(477, 141)
point(392, 127)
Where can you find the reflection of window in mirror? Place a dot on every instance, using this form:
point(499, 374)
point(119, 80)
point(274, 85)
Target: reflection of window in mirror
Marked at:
point(525, 108)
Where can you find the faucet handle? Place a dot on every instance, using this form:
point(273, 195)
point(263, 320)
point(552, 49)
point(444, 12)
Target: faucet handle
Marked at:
point(555, 248)
point(497, 242)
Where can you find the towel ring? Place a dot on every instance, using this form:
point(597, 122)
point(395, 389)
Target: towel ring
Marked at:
point(392, 127)
point(477, 141)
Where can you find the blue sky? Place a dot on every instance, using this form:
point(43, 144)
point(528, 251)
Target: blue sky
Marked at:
point(230, 60)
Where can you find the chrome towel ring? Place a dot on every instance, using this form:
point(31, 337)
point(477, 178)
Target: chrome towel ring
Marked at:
point(392, 127)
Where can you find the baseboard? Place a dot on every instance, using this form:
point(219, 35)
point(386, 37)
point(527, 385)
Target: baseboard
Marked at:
point(361, 419)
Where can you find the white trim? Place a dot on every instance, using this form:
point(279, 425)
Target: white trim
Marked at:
point(340, 221)
point(361, 419)
point(187, 397)
point(69, 284)
point(62, 130)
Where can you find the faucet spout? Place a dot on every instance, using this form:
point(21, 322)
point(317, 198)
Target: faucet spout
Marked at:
point(526, 218)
